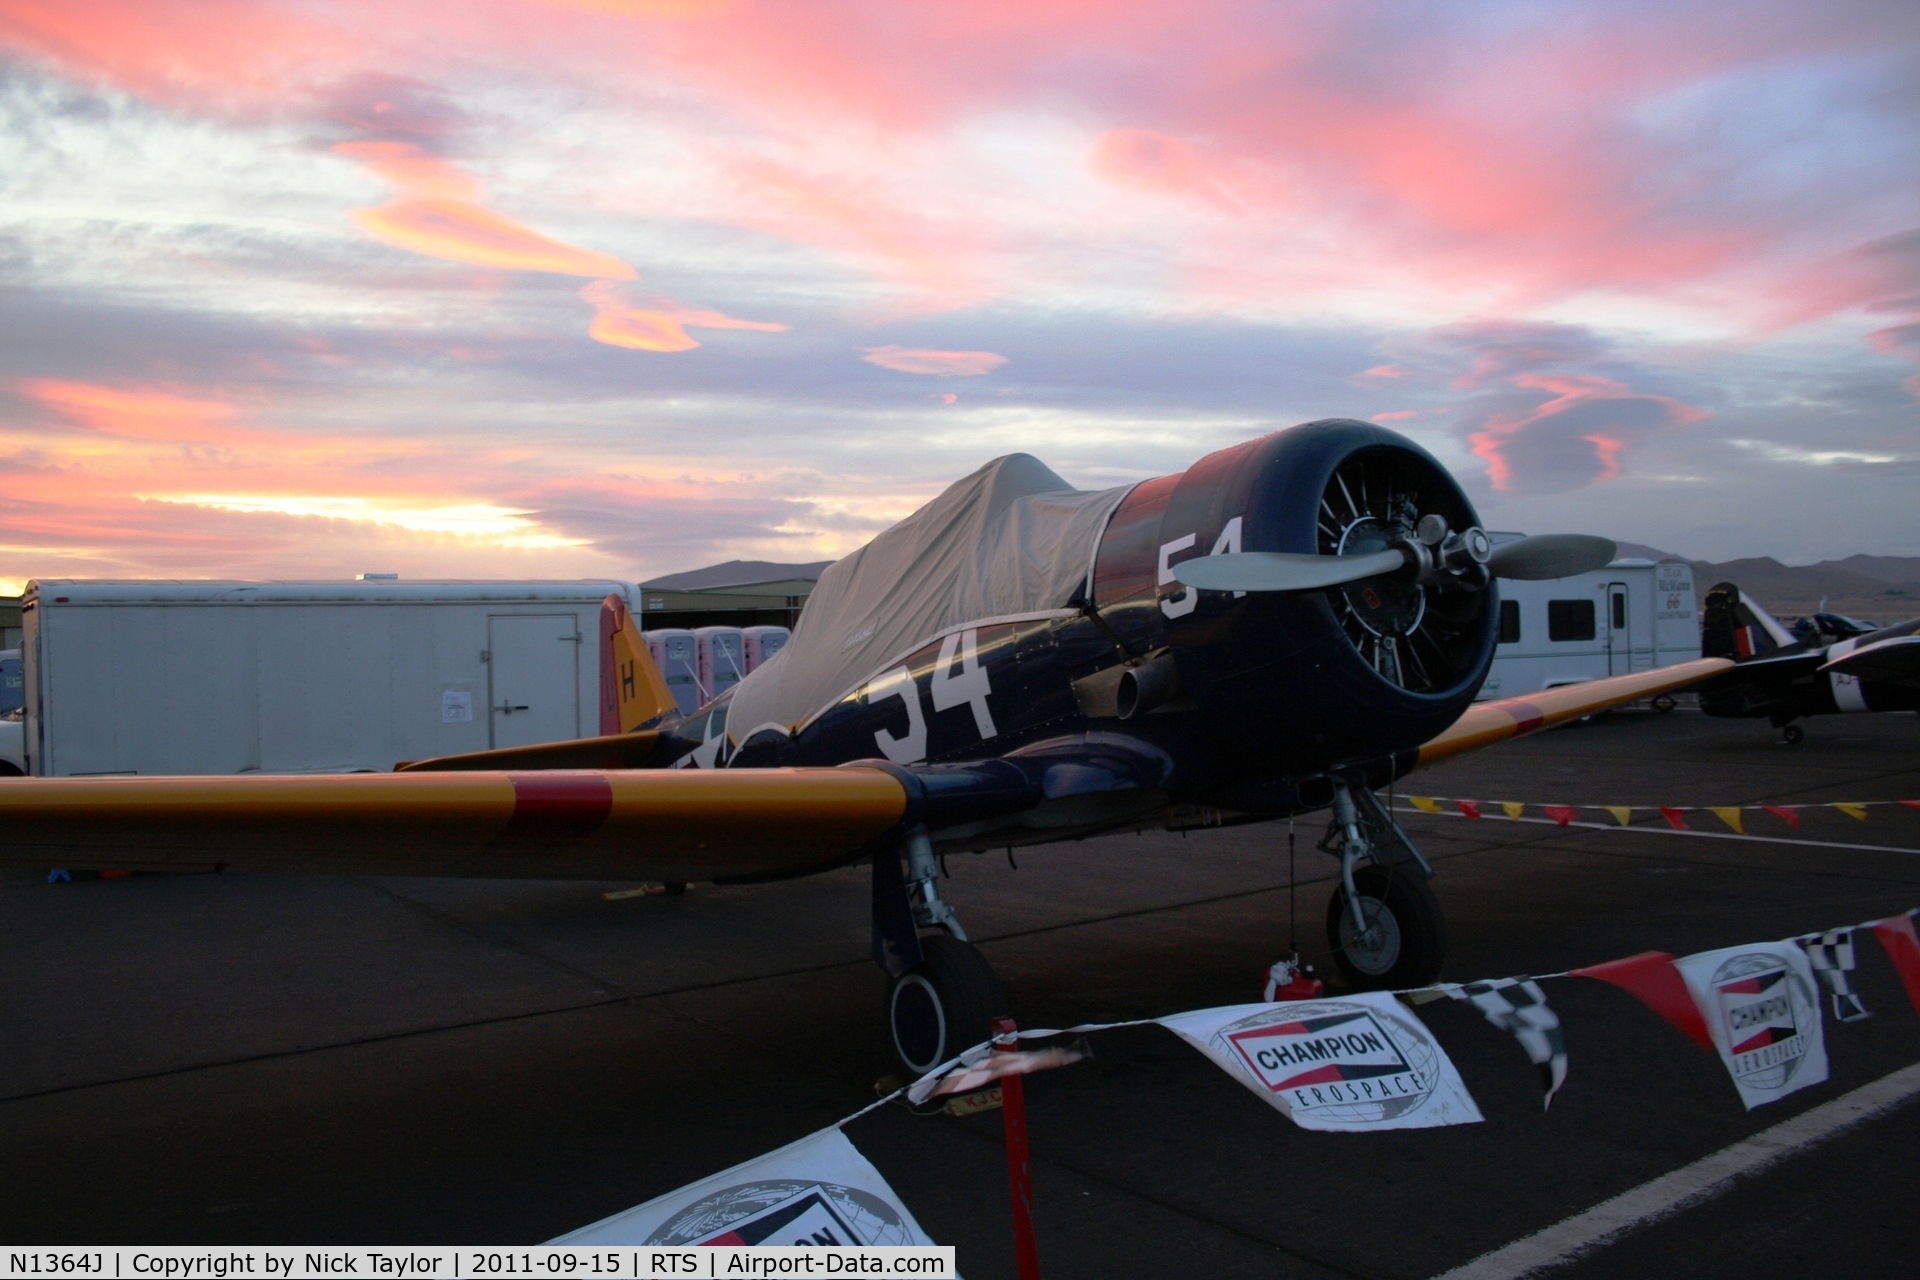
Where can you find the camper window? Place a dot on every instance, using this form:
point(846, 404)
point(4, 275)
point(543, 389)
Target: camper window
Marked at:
point(1509, 622)
point(1569, 619)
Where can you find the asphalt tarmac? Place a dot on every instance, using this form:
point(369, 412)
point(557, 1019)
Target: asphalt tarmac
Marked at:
point(228, 1059)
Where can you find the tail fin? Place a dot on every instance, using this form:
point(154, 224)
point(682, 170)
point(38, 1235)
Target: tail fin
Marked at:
point(632, 691)
point(1732, 626)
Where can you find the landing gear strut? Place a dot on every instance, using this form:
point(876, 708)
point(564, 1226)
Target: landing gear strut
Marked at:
point(1384, 923)
point(942, 993)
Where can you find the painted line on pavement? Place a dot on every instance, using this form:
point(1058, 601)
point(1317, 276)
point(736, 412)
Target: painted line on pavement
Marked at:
point(1611, 1220)
point(1651, 830)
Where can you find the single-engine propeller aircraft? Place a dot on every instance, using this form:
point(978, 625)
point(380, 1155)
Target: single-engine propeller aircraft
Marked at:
point(1283, 627)
point(1784, 678)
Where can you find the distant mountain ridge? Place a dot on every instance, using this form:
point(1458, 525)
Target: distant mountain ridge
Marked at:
point(1876, 588)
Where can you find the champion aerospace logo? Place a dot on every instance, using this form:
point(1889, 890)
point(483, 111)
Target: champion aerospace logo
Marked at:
point(1764, 1012)
point(785, 1211)
point(1343, 1063)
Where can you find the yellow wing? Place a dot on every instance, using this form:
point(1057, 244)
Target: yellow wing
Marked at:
point(472, 816)
point(1486, 723)
point(664, 824)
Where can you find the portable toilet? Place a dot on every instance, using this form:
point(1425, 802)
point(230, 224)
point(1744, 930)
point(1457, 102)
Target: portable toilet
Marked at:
point(13, 694)
point(762, 643)
point(722, 658)
point(673, 653)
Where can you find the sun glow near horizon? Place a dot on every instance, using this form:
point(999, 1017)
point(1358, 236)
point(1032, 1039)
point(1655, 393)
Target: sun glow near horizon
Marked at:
point(474, 521)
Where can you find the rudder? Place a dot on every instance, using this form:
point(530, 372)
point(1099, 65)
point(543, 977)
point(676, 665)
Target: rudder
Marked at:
point(632, 691)
point(1732, 626)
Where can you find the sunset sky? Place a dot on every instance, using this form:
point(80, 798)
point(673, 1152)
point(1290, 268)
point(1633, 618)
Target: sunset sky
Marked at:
point(532, 288)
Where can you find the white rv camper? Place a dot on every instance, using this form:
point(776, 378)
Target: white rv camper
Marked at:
point(1633, 615)
point(295, 677)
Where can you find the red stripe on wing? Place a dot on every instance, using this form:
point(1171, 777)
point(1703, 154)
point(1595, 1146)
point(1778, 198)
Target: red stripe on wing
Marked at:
point(558, 803)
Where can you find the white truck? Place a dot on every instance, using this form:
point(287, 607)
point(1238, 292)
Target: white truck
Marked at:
point(1633, 615)
point(302, 677)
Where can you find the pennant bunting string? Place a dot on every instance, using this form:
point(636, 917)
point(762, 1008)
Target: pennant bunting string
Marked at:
point(1732, 816)
point(1903, 948)
point(1831, 954)
point(1518, 1006)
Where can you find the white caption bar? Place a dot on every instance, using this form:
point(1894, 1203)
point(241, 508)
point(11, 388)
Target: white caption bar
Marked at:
point(717, 1262)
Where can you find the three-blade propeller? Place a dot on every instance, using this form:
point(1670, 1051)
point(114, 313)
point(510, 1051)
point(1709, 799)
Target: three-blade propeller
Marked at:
point(1550, 555)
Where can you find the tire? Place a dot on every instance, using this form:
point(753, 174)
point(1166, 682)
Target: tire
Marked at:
point(1414, 939)
point(943, 1004)
point(1793, 735)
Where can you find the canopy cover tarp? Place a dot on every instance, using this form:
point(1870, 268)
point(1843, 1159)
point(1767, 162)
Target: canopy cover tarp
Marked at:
point(1011, 538)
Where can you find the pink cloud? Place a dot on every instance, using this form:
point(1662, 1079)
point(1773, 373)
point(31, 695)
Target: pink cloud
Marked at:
point(1514, 159)
point(139, 413)
point(660, 325)
point(1385, 371)
point(879, 220)
point(466, 232)
point(415, 170)
point(1607, 449)
point(659, 9)
point(1149, 161)
point(206, 51)
point(961, 364)
point(1628, 415)
point(1901, 340)
point(440, 216)
point(1396, 415)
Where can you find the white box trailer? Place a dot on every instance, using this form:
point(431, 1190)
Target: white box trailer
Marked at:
point(1633, 615)
point(299, 677)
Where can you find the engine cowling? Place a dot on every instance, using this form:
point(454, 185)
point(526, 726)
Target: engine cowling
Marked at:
point(1298, 683)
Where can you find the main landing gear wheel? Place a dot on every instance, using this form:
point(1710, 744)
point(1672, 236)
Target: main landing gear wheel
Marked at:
point(1793, 735)
point(1406, 937)
point(943, 1004)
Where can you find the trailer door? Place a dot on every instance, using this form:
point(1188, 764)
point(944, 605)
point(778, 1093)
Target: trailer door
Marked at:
point(1619, 635)
point(533, 678)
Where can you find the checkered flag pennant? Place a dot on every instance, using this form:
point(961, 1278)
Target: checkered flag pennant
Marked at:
point(1517, 1005)
point(1832, 955)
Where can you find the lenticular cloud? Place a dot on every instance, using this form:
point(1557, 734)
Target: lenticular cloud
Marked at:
point(961, 364)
